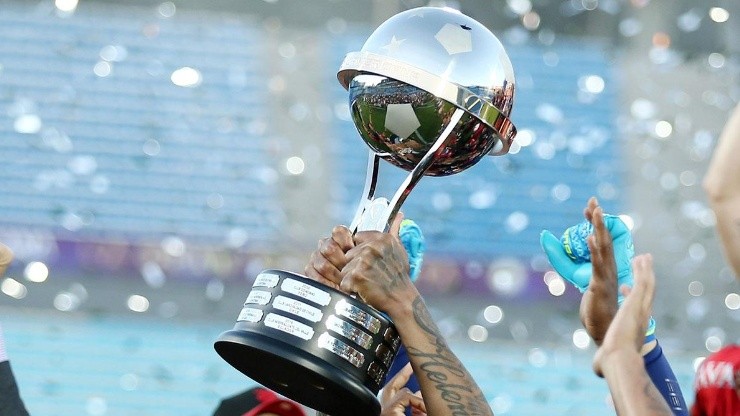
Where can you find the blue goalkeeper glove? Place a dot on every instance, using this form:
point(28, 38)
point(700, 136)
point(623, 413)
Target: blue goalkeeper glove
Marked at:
point(413, 241)
point(571, 258)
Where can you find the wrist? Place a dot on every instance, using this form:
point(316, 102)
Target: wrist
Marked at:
point(619, 358)
point(401, 307)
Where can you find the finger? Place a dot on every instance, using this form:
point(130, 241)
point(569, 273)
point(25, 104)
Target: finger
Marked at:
point(644, 274)
point(326, 262)
point(421, 408)
point(633, 298)
point(313, 274)
point(397, 382)
point(363, 237)
point(396, 224)
point(600, 230)
point(602, 249)
point(590, 206)
point(405, 398)
point(639, 296)
point(593, 249)
point(415, 401)
point(401, 378)
point(556, 255)
point(342, 236)
point(6, 257)
point(330, 260)
point(347, 284)
point(416, 412)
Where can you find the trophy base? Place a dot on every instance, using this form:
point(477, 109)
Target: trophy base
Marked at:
point(311, 343)
point(296, 374)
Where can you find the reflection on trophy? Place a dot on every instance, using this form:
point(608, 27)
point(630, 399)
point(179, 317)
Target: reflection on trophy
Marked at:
point(430, 92)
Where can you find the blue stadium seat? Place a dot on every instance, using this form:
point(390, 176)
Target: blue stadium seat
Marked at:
point(108, 119)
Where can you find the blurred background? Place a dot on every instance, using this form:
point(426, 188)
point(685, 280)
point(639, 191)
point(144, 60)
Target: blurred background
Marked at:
point(156, 156)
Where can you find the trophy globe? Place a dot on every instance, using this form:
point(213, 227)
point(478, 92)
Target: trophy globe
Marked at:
point(408, 79)
point(431, 91)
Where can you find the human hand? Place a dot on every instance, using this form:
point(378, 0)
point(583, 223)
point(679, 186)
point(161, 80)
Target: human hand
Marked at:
point(395, 398)
point(570, 255)
point(326, 263)
point(377, 270)
point(328, 260)
point(6, 257)
point(599, 301)
point(625, 335)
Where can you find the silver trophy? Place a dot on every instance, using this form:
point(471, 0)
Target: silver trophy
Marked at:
point(431, 92)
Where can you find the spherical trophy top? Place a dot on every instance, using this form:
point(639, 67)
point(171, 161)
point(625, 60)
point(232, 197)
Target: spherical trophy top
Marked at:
point(411, 75)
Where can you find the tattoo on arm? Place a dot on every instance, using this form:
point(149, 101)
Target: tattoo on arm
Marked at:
point(394, 275)
point(438, 364)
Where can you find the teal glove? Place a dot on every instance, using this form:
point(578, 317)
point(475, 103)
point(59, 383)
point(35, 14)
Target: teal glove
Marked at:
point(413, 241)
point(571, 258)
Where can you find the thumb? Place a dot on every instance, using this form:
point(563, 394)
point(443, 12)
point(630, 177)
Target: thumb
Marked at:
point(396, 224)
point(557, 256)
point(582, 276)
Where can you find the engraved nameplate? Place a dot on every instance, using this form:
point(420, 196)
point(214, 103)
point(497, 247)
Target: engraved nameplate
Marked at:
point(260, 297)
point(266, 280)
point(341, 349)
point(358, 316)
point(306, 291)
point(350, 331)
point(298, 308)
point(249, 315)
point(384, 354)
point(288, 326)
point(391, 336)
point(376, 373)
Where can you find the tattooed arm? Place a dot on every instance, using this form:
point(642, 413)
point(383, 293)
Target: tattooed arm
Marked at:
point(619, 360)
point(722, 185)
point(377, 270)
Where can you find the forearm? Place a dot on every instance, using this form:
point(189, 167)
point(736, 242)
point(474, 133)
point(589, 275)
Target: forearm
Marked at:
point(445, 383)
point(632, 390)
point(727, 213)
point(722, 180)
point(660, 372)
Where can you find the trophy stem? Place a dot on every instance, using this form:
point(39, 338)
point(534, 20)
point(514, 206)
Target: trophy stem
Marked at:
point(413, 177)
point(406, 186)
point(371, 180)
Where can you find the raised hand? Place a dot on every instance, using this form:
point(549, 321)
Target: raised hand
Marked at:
point(619, 360)
point(327, 262)
point(599, 301)
point(571, 257)
point(574, 258)
point(625, 334)
point(396, 398)
point(377, 270)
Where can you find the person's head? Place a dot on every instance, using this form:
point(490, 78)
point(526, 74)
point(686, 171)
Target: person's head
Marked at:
point(258, 401)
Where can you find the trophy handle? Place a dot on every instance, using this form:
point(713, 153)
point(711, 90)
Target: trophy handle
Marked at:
point(377, 214)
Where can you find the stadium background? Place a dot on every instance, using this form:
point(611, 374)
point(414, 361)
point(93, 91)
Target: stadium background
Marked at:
point(155, 156)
